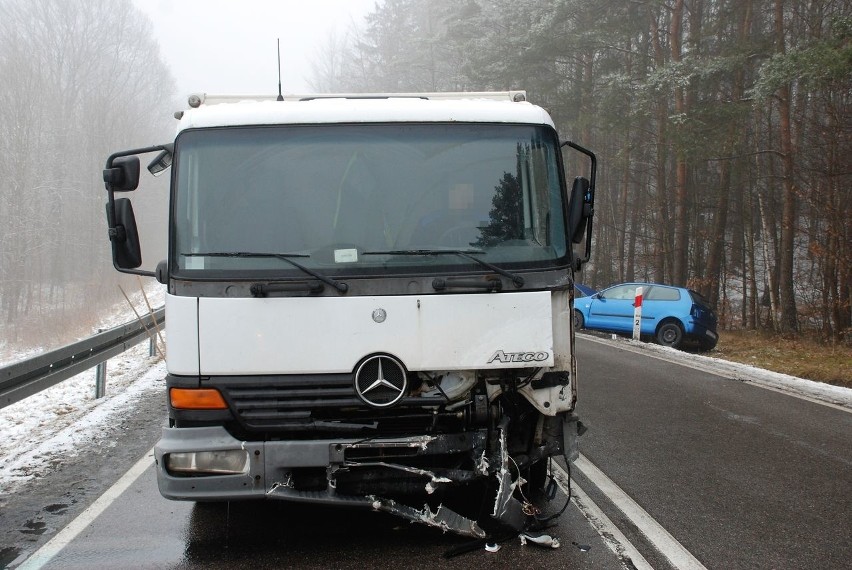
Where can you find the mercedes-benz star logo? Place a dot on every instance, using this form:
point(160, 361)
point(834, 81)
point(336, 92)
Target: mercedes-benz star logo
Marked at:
point(379, 315)
point(381, 381)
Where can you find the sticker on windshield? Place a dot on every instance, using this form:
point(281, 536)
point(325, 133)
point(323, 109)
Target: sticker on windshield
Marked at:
point(345, 255)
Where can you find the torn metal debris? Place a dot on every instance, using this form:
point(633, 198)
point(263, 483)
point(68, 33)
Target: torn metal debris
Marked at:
point(443, 518)
point(541, 540)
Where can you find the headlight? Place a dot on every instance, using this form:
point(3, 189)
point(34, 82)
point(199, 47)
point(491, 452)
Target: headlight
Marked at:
point(226, 462)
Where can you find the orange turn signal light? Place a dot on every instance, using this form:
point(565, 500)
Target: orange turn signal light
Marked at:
point(197, 399)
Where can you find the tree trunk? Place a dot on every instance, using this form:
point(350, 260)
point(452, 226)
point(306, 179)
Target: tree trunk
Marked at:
point(661, 221)
point(680, 247)
point(789, 321)
point(750, 294)
point(714, 260)
point(768, 256)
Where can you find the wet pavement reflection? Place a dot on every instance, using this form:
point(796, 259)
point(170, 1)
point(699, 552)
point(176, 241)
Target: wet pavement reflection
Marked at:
point(143, 530)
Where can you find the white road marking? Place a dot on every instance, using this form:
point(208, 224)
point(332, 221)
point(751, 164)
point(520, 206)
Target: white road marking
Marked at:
point(715, 370)
point(44, 554)
point(611, 535)
point(800, 396)
point(662, 540)
point(614, 538)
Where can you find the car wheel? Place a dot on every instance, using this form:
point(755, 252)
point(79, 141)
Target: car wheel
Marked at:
point(670, 334)
point(579, 322)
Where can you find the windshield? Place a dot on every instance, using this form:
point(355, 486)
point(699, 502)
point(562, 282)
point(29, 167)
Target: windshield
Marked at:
point(347, 199)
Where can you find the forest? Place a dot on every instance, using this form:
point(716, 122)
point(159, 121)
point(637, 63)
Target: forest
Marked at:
point(79, 79)
point(723, 130)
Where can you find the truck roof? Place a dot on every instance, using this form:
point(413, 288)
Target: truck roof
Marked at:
point(235, 110)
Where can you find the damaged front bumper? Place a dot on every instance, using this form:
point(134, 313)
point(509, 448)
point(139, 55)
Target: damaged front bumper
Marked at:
point(389, 474)
point(286, 470)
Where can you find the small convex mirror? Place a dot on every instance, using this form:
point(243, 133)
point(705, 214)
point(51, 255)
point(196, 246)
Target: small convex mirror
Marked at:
point(162, 161)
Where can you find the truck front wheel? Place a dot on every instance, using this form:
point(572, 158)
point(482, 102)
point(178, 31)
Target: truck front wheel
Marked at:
point(579, 321)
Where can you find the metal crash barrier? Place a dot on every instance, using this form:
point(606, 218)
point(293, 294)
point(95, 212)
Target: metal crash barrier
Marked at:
point(27, 377)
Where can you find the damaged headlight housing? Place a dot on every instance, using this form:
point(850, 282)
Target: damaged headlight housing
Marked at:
point(224, 462)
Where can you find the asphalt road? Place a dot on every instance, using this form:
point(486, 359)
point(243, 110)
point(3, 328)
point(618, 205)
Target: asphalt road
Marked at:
point(141, 530)
point(739, 476)
point(742, 476)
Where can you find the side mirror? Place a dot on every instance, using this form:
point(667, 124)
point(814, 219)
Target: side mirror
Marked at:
point(162, 161)
point(578, 209)
point(126, 252)
point(582, 206)
point(123, 175)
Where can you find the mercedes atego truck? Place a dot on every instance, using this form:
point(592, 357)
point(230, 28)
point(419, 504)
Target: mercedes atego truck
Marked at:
point(369, 301)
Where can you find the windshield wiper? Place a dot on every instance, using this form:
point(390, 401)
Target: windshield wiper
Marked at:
point(341, 287)
point(466, 253)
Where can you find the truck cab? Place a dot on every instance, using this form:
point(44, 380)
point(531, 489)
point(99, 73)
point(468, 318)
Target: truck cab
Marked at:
point(369, 301)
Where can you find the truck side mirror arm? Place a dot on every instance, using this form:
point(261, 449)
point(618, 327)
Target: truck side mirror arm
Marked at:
point(588, 206)
point(121, 174)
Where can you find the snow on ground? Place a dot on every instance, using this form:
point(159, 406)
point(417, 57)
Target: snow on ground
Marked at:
point(40, 430)
point(837, 395)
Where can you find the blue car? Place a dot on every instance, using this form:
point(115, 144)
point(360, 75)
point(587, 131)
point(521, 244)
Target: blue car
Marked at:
point(582, 291)
point(669, 314)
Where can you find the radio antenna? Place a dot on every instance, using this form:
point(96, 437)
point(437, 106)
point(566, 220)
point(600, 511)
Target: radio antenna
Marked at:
point(280, 96)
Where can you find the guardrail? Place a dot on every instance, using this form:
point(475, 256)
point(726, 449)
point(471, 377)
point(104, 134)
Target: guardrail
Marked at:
point(27, 377)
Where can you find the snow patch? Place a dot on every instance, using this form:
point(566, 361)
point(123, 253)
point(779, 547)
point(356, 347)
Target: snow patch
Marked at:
point(40, 431)
point(836, 395)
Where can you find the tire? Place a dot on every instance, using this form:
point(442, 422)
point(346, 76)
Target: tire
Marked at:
point(670, 334)
point(705, 345)
point(579, 322)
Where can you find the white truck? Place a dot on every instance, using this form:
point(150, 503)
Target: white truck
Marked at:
point(369, 301)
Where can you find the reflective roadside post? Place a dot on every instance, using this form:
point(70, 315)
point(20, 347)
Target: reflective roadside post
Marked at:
point(637, 313)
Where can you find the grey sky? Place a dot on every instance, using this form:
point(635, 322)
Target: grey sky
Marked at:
point(228, 46)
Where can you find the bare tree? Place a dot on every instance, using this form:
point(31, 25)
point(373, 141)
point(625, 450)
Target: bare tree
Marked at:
point(80, 79)
point(327, 65)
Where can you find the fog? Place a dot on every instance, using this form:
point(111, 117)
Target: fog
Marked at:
point(721, 171)
point(81, 79)
point(220, 46)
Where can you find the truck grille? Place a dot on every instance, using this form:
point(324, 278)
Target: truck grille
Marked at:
point(317, 404)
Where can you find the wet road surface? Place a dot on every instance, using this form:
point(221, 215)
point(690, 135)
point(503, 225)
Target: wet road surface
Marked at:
point(742, 477)
point(142, 530)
